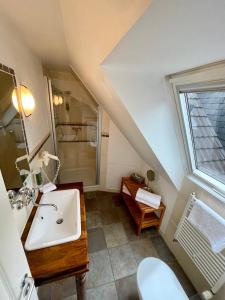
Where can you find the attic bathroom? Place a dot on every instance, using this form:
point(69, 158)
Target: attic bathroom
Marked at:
point(112, 158)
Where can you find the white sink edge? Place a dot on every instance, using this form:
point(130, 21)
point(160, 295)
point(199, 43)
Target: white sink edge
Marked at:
point(52, 243)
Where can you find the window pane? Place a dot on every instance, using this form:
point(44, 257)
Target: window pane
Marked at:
point(207, 123)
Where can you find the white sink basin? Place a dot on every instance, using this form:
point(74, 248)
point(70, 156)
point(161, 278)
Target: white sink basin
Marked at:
point(45, 231)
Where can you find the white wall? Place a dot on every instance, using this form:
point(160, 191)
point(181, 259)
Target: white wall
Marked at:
point(13, 263)
point(122, 159)
point(28, 70)
point(167, 191)
point(172, 36)
point(193, 273)
point(119, 158)
point(101, 25)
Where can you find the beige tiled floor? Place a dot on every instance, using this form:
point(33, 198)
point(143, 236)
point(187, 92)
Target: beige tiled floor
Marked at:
point(115, 252)
point(100, 271)
point(115, 235)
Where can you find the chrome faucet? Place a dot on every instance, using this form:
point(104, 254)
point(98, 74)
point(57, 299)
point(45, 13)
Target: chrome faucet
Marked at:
point(23, 198)
point(45, 204)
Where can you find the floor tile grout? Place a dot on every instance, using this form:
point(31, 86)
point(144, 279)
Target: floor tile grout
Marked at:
point(100, 285)
point(111, 264)
point(132, 243)
point(112, 272)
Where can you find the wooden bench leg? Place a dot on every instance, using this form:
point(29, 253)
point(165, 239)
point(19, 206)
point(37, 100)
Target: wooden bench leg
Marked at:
point(80, 284)
point(139, 229)
point(140, 224)
point(160, 218)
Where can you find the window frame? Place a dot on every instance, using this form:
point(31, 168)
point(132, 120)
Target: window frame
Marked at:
point(187, 137)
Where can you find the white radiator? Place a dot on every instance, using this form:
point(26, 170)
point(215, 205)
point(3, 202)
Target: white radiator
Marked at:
point(211, 265)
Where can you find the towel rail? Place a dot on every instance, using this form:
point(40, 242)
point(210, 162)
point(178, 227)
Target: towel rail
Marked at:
point(210, 264)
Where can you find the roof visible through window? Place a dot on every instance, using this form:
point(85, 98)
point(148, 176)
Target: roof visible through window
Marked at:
point(206, 112)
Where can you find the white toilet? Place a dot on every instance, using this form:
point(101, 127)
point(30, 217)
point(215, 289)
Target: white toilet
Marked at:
point(156, 281)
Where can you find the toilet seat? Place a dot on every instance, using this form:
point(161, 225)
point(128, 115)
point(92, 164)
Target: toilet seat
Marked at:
point(156, 281)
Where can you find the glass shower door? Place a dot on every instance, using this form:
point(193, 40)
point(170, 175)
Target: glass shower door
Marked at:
point(76, 131)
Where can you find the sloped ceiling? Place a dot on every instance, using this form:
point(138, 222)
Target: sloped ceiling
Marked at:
point(94, 28)
point(39, 23)
point(91, 34)
point(81, 34)
point(171, 36)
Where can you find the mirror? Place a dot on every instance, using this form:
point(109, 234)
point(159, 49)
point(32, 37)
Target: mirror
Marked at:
point(12, 136)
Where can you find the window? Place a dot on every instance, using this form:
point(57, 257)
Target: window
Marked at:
point(203, 111)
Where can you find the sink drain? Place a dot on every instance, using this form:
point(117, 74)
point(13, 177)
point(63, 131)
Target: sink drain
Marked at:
point(59, 221)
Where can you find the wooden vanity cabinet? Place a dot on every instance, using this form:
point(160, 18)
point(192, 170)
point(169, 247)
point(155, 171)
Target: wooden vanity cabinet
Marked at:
point(64, 260)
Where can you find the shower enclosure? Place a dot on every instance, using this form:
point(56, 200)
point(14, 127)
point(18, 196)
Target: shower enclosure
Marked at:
point(76, 135)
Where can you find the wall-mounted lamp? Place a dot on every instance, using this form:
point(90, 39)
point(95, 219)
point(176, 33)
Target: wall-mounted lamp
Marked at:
point(57, 100)
point(23, 100)
point(60, 100)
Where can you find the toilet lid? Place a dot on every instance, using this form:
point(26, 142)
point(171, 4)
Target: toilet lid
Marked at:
point(156, 281)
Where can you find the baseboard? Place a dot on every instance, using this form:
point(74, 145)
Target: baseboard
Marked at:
point(92, 188)
point(110, 190)
point(100, 188)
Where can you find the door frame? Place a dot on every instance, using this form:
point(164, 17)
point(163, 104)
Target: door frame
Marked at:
point(52, 116)
point(99, 139)
point(6, 284)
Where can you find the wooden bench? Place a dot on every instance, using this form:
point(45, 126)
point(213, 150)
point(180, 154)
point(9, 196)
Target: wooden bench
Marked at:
point(143, 215)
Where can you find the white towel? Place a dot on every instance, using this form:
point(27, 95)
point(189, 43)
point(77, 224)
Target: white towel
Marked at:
point(210, 224)
point(125, 190)
point(148, 198)
point(48, 187)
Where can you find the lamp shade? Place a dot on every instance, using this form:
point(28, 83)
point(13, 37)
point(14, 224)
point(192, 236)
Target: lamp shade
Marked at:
point(15, 99)
point(56, 100)
point(27, 101)
point(60, 100)
point(22, 98)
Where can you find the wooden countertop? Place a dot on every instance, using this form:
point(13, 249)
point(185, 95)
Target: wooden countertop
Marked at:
point(60, 261)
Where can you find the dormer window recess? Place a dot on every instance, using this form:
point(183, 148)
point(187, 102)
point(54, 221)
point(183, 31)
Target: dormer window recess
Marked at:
point(201, 109)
